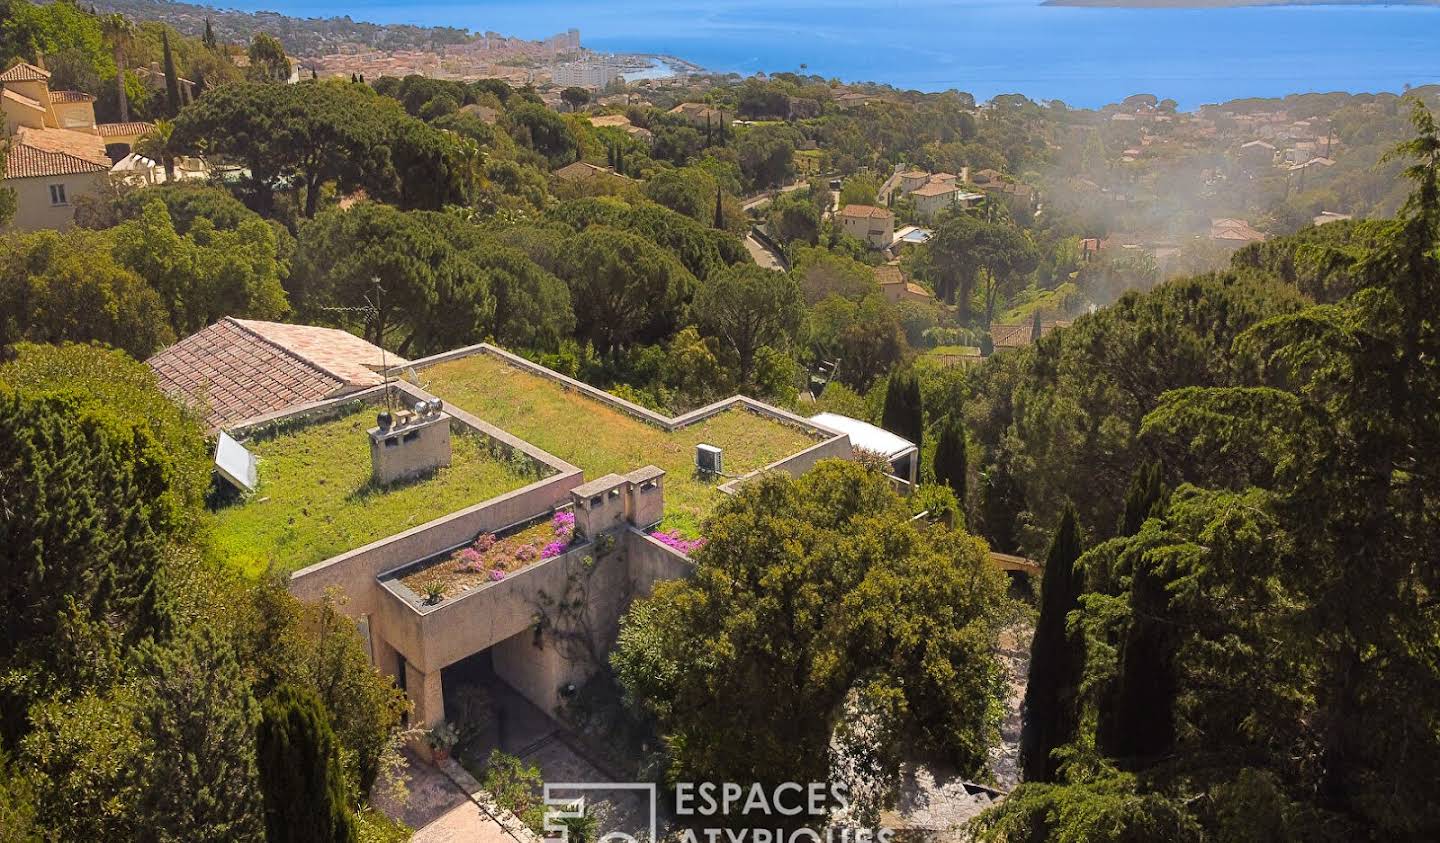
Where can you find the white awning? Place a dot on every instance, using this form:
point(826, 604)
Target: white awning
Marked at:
point(865, 435)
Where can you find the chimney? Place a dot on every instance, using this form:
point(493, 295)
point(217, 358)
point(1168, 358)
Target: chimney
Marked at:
point(410, 444)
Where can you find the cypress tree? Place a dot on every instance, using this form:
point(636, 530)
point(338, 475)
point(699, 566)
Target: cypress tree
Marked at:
point(1035, 328)
point(209, 38)
point(719, 210)
point(1049, 714)
point(172, 81)
point(1138, 719)
point(949, 461)
point(903, 414)
point(300, 772)
point(1147, 489)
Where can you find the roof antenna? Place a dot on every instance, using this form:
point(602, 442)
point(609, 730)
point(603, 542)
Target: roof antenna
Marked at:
point(371, 310)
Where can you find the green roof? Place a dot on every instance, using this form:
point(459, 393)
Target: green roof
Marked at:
point(315, 499)
point(601, 439)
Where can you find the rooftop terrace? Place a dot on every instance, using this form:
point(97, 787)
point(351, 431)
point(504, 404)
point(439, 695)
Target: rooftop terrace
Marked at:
point(315, 497)
point(603, 439)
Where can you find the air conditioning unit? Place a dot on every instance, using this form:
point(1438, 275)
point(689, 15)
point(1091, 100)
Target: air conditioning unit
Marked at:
point(709, 459)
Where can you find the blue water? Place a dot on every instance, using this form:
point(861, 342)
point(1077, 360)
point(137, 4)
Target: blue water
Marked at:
point(1086, 57)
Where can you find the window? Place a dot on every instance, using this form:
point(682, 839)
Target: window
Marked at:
point(57, 194)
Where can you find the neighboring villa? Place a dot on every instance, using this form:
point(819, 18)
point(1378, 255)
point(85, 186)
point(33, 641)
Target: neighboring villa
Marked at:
point(896, 287)
point(934, 192)
point(1008, 337)
point(699, 114)
point(621, 122)
point(481, 510)
point(585, 172)
point(1234, 233)
point(875, 226)
point(55, 152)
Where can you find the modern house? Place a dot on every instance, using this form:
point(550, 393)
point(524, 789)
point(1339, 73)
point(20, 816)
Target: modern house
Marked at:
point(875, 226)
point(936, 196)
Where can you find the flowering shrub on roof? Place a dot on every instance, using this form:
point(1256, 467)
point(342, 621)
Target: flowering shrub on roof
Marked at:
point(673, 539)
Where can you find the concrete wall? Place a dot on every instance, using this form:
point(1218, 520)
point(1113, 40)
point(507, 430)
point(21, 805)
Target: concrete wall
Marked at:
point(795, 465)
point(33, 210)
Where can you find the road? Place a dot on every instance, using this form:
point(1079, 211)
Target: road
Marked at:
point(762, 255)
point(762, 199)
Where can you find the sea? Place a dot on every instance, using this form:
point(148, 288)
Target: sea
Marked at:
point(1086, 57)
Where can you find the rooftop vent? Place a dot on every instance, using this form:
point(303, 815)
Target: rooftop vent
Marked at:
point(409, 445)
point(709, 459)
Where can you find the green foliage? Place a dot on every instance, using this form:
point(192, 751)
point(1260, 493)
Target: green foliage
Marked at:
point(91, 507)
point(268, 62)
point(902, 619)
point(544, 132)
point(300, 772)
point(865, 337)
point(748, 307)
point(516, 787)
point(206, 273)
point(904, 413)
point(624, 288)
point(949, 462)
point(1059, 420)
point(1051, 708)
point(766, 154)
point(58, 287)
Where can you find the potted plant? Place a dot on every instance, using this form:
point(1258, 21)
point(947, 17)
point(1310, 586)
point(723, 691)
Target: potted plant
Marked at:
point(442, 739)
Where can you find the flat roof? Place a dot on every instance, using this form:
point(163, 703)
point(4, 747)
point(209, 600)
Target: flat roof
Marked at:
point(602, 439)
point(315, 499)
point(865, 435)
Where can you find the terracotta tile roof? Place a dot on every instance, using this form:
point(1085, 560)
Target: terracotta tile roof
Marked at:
point(888, 273)
point(40, 153)
point(1018, 336)
point(135, 127)
point(70, 96)
point(864, 212)
point(613, 120)
point(585, 170)
point(935, 189)
point(237, 369)
point(340, 353)
point(23, 72)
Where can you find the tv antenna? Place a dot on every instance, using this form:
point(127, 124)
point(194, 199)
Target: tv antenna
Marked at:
point(371, 310)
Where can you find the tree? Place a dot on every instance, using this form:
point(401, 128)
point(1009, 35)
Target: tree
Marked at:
point(793, 218)
point(172, 86)
point(859, 189)
point(268, 62)
point(69, 287)
point(797, 613)
point(904, 413)
point(623, 288)
point(1050, 710)
point(949, 461)
point(305, 134)
point(864, 336)
point(749, 307)
point(967, 250)
point(90, 512)
point(300, 773)
point(208, 39)
point(155, 144)
point(120, 32)
point(537, 128)
point(1147, 491)
point(575, 97)
point(767, 155)
point(195, 706)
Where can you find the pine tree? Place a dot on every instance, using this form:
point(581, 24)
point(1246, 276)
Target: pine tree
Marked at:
point(300, 772)
point(903, 414)
point(172, 80)
point(949, 461)
point(1050, 716)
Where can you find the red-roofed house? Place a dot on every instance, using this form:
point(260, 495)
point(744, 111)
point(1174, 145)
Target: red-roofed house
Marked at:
point(238, 369)
point(876, 226)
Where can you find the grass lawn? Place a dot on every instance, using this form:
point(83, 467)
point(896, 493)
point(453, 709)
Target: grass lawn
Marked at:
point(954, 351)
point(315, 499)
point(602, 440)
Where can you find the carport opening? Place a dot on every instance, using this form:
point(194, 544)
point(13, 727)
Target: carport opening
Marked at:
point(487, 711)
